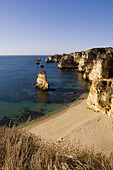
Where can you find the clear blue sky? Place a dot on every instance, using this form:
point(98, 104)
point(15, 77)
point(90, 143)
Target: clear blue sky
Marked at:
point(54, 26)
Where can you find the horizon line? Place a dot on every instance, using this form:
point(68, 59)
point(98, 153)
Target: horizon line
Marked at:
point(57, 53)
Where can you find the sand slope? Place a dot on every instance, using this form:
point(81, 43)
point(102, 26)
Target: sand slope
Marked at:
point(60, 125)
point(96, 134)
point(77, 126)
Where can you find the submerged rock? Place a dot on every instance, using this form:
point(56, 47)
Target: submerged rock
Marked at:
point(42, 82)
point(41, 65)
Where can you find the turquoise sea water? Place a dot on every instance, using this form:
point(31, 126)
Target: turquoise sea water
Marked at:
point(19, 100)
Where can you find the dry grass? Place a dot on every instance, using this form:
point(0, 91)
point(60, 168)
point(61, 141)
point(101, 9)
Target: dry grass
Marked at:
point(22, 151)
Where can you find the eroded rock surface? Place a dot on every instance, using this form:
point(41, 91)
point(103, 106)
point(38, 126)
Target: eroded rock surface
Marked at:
point(101, 68)
point(95, 63)
point(101, 96)
point(67, 62)
point(42, 82)
point(54, 58)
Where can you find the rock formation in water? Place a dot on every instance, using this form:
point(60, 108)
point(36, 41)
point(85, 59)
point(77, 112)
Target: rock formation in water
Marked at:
point(97, 66)
point(54, 58)
point(95, 63)
point(41, 65)
point(101, 96)
point(37, 62)
point(42, 82)
point(39, 59)
point(67, 62)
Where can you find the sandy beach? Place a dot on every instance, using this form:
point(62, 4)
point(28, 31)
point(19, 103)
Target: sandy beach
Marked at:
point(77, 125)
point(59, 125)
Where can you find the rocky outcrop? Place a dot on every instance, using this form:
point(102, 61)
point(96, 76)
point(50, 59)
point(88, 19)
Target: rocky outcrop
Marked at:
point(101, 67)
point(42, 82)
point(49, 59)
point(67, 62)
point(54, 58)
point(85, 61)
point(100, 97)
point(95, 63)
point(37, 62)
point(39, 59)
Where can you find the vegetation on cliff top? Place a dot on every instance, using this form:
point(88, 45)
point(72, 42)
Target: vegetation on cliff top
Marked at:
point(22, 151)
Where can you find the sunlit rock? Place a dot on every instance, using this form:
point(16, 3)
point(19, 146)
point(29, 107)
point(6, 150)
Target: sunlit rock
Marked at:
point(42, 82)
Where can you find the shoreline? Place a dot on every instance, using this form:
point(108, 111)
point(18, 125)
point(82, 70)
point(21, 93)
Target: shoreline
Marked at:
point(56, 113)
point(76, 127)
point(58, 125)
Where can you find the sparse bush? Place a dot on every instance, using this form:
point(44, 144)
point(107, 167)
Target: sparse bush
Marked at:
point(22, 151)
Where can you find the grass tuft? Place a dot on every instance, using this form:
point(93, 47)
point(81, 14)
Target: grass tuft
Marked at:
point(23, 151)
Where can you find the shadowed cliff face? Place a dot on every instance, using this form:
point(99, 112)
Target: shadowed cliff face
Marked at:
point(101, 96)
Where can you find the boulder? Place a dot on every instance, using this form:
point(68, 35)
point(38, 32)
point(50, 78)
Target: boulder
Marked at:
point(42, 82)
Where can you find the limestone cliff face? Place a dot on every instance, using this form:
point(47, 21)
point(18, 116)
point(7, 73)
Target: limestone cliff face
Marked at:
point(101, 96)
point(101, 67)
point(42, 82)
point(85, 61)
point(95, 71)
point(95, 63)
point(67, 62)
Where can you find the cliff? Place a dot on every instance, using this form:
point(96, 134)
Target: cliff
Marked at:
point(101, 67)
point(95, 63)
point(67, 62)
point(101, 96)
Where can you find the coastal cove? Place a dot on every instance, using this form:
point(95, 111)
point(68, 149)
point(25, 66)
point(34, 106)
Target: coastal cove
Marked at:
point(20, 101)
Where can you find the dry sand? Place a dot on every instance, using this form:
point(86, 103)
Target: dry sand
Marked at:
point(77, 125)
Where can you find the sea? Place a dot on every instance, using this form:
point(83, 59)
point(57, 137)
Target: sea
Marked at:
point(20, 101)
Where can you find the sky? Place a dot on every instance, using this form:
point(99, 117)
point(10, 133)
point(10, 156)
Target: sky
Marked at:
point(43, 27)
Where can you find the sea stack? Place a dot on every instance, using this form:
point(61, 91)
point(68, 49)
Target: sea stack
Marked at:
point(39, 59)
point(42, 82)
